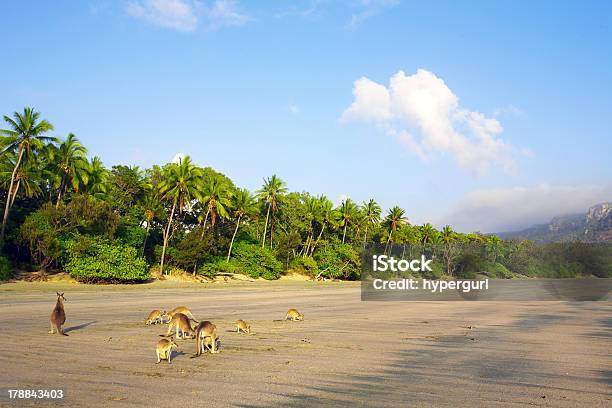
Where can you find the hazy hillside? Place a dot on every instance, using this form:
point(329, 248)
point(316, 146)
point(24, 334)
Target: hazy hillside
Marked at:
point(593, 226)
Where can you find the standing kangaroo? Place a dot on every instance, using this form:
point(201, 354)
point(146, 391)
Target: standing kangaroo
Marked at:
point(206, 337)
point(58, 316)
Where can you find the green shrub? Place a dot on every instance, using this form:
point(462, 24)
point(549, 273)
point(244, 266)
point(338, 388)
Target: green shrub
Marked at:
point(305, 265)
point(95, 259)
point(438, 269)
point(255, 261)
point(337, 260)
point(468, 265)
point(500, 271)
point(132, 235)
point(40, 236)
point(192, 250)
point(210, 269)
point(6, 269)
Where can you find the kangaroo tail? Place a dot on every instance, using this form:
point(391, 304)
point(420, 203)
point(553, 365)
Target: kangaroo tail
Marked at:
point(193, 318)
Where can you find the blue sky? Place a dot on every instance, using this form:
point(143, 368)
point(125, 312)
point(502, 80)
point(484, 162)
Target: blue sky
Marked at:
point(500, 117)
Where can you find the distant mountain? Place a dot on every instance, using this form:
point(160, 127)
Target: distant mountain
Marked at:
point(594, 226)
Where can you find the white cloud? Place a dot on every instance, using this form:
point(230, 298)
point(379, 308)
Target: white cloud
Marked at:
point(508, 110)
point(176, 14)
point(358, 10)
point(496, 210)
point(423, 113)
point(364, 9)
point(224, 13)
point(186, 15)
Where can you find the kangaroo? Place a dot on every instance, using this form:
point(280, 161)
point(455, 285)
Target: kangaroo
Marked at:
point(242, 326)
point(293, 314)
point(184, 310)
point(180, 322)
point(164, 349)
point(206, 337)
point(156, 317)
point(58, 316)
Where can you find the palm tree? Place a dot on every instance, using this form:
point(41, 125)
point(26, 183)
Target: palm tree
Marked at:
point(371, 212)
point(244, 205)
point(427, 233)
point(179, 186)
point(26, 135)
point(328, 216)
point(348, 211)
point(394, 219)
point(216, 197)
point(97, 174)
point(448, 237)
point(313, 213)
point(71, 163)
point(494, 246)
point(270, 193)
point(27, 178)
point(151, 206)
point(475, 237)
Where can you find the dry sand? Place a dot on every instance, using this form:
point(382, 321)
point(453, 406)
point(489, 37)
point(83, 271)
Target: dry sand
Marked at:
point(346, 352)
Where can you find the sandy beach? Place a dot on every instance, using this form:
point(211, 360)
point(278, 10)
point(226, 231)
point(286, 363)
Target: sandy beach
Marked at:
point(345, 353)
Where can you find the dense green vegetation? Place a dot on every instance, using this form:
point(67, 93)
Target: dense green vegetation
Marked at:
point(6, 268)
point(63, 210)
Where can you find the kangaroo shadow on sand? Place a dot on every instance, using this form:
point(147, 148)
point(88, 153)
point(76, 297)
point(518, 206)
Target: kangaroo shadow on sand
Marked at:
point(79, 327)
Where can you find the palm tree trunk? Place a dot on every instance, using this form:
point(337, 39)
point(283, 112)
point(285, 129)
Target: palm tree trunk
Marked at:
point(263, 241)
point(306, 247)
point(15, 193)
point(166, 239)
point(144, 244)
point(310, 242)
point(229, 252)
point(317, 241)
point(213, 217)
point(204, 224)
point(344, 233)
point(61, 188)
point(7, 207)
point(365, 236)
point(388, 240)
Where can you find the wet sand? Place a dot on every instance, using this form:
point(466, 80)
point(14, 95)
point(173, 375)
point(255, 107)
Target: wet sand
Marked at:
point(346, 352)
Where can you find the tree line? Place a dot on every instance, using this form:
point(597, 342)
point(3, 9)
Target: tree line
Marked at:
point(65, 210)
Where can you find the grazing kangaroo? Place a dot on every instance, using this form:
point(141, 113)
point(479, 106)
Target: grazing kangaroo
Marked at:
point(184, 310)
point(58, 316)
point(156, 316)
point(242, 326)
point(164, 349)
point(206, 337)
point(180, 322)
point(293, 314)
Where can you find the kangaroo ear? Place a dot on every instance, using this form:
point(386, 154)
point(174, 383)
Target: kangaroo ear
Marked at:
point(57, 293)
